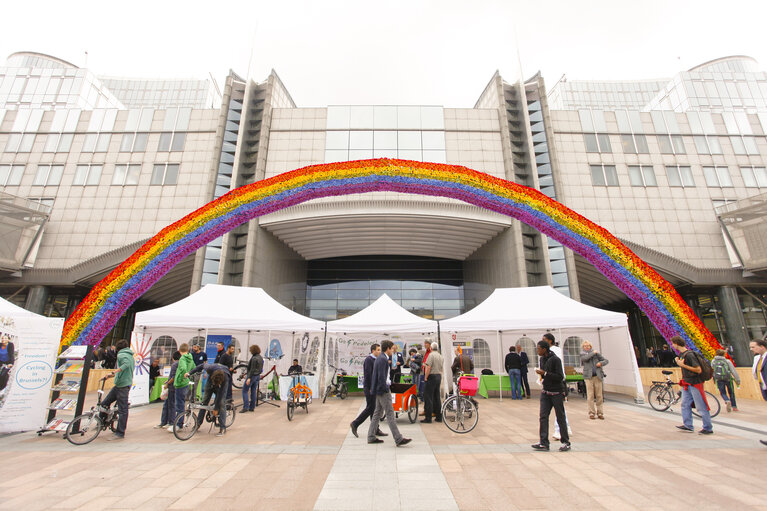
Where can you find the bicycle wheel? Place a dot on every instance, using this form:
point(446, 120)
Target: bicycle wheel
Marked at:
point(328, 390)
point(412, 409)
point(660, 397)
point(713, 404)
point(231, 412)
point(289, 409)
point(459, 414)
point(83, 429)
point(239, 375)
point(185, 425)
point(343, 391)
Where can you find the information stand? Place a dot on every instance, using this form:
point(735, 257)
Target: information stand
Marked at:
point(69, 387)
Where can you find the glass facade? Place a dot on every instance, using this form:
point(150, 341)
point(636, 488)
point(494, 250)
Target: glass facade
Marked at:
point(428, 287)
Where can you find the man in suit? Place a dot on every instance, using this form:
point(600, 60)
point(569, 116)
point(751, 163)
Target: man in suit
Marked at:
point(370, 397)
point(379, 386)
point(396, 365)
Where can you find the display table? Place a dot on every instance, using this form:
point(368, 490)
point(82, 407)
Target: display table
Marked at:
point(499, 382)
point(155, 392)
point(310, 380)
point(352, 383)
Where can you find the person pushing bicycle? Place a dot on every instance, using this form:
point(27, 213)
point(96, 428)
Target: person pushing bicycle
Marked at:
point(218, 383)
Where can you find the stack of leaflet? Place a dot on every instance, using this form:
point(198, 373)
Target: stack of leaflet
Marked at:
point(63, 404)
point(57, 425)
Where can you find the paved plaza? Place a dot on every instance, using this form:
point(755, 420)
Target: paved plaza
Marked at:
point(635, 459)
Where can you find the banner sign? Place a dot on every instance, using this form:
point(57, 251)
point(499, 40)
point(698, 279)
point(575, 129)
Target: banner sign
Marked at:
point(26, 382)
point(212, 341)
point(141, 347)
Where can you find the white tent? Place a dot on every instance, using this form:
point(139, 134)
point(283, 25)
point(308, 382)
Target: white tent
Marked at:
point(248, 314)
point(512, 315)
point(9, 309)
point(383, 316)
point(350, 338)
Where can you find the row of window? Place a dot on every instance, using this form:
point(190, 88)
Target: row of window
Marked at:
point(94, 142)
point(668, 144)
point(678, 176)
point(90, 175)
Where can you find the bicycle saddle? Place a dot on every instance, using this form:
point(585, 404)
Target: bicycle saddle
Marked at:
point(667, 372)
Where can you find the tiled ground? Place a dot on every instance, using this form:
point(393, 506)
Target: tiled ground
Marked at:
point(635, 459)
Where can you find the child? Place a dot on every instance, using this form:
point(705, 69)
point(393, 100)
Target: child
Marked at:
point(724, 373)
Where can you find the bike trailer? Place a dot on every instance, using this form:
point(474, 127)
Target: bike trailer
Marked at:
point(468, 385)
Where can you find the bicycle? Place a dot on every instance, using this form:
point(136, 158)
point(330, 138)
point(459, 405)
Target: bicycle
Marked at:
point(239, 373)
point(299, 395)
point(335, 388)
point(188, 422)
point(459, 411)
point(662, 396)
point(86, 427)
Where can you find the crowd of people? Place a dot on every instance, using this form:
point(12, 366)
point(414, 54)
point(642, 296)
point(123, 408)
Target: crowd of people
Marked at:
point(383, 366)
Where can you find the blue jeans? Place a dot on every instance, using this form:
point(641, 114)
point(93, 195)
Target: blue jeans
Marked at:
point(726, 387)
point(180, 400)
point(169, 408)
point(252, 390)
point(515, 375)
point(690, 395)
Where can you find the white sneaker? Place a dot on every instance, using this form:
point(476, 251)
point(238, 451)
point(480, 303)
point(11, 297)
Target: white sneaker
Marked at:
point(557, 436)
point(728, 405)
point(170, 429)
point(569, 431)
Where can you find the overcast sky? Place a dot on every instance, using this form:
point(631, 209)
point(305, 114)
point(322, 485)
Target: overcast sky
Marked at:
point(440, 52)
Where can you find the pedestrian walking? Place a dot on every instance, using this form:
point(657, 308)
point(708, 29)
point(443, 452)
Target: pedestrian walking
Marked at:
point(370, 397)
point(725, 376)
point(692, 388)
point(552, 396)
point(380, 384)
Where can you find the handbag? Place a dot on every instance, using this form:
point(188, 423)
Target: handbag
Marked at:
point(164, 393)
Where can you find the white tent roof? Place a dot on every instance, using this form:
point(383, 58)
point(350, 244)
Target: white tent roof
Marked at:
point(228, 307)
point(9, 309)
point(384, 316)
point(531, 307)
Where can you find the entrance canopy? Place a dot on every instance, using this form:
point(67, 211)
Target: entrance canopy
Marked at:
point(217, 307)
point(531, 307)
point(384, 316)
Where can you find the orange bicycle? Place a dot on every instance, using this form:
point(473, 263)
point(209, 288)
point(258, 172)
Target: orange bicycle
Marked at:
point(299, 395)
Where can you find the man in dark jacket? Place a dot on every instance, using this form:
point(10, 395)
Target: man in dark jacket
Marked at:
point(552, 396)
point(370, 397)
point(513, 365)
point(218, 387)
point(255, 368)
point(199, 356)
point(379, 385)
point(523, 373)
point(110, 358)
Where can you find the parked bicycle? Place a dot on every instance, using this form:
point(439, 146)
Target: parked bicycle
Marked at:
point(337, 387)
point(239, 373)
point(299, 395)
point(459, 411)
point(195, 414)
point(86, 427)
point(662, 396)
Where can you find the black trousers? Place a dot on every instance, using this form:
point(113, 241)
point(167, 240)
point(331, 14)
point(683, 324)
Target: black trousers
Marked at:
point(370, 407)
point(556, 401)
point(431, 400)
point(525, 384)
point(119, 394)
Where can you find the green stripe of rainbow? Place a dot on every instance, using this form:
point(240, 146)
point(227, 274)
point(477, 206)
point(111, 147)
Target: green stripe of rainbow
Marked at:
point(107, 301)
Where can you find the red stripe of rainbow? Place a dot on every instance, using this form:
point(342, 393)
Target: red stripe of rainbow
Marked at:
point(107, 301)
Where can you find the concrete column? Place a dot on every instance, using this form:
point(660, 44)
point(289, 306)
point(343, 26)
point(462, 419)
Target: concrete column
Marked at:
point(735, 324)
point(36, 299)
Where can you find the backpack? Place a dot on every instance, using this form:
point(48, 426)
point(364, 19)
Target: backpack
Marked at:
point(721, 370)
point(707, 372)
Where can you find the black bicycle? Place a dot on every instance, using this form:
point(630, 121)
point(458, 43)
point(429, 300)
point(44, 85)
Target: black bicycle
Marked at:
point(86, 427)
point(337, 386)
point(195, 414)
point(662, 395)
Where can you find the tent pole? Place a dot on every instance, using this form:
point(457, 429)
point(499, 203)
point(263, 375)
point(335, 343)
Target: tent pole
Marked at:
point(500, 376)
point(321, 356)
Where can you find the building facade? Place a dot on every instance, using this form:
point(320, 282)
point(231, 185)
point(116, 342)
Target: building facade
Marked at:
point(675, 168)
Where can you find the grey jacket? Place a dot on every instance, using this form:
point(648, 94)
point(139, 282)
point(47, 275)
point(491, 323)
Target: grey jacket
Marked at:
point(589, 359)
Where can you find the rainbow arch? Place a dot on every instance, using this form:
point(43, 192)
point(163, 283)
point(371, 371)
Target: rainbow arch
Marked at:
point(107, 301)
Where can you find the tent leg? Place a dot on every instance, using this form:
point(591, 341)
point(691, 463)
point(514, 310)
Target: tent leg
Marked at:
point(500, 376)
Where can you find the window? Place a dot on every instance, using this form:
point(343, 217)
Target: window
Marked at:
point(171, 142)
point(737, 145)
point(571, 351)
point(528, 346)
point(604, 175)
point(664, 144)
point(753, 177)
point(717, 177)
point(58, 143)
point(481, 354)
point(87, 175)
point(629, 147)
point(750, 143)
point(18, 143)
point(678, 143)
point(599, 143)
point(164, 174)
point(134, 143)
point(44, 201)
point(198, 340)
point(94, 143)
point(10, 175)
point(163, 348)
point(642, 175)
point(126, 175)
point(48, 175)
point(679, 175)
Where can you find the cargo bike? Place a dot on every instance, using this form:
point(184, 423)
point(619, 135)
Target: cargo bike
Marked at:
point(405, 400)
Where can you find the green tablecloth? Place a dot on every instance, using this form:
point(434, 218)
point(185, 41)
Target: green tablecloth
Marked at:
point(574, 377)
point(501, 382)
point(154, 394)
point(351, 383)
